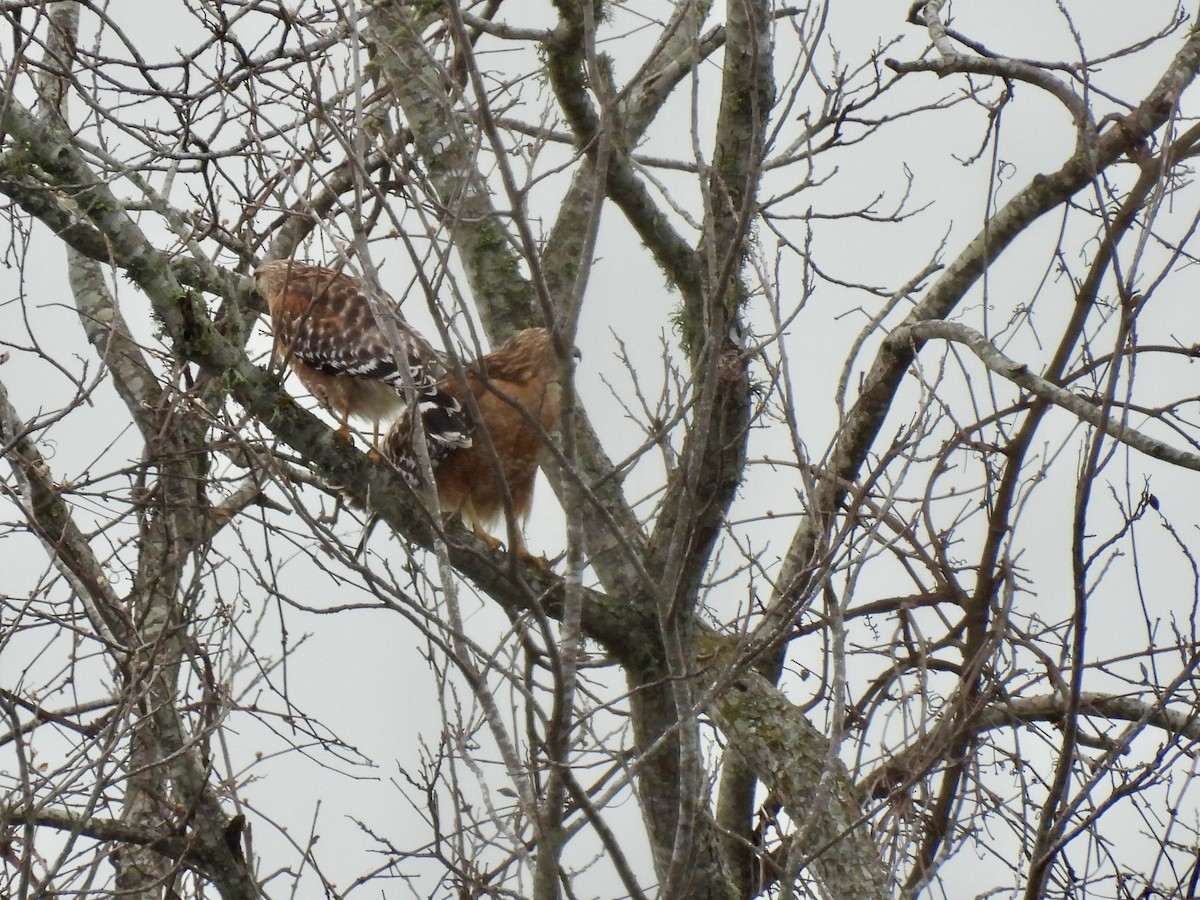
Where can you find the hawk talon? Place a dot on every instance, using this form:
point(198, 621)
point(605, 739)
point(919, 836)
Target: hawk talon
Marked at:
point(539, 562)
point(493, 543)
point(522, 552)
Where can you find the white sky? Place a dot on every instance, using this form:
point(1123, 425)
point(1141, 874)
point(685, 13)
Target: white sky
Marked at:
point(362, 673)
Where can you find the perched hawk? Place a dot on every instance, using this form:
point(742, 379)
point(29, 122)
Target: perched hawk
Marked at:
point(326, 331)
point(494, 446)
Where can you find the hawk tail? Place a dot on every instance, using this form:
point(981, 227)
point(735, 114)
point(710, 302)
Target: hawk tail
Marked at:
point(444, 423)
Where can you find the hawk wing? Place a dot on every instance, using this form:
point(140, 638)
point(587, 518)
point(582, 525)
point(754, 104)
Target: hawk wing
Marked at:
point(323, 320)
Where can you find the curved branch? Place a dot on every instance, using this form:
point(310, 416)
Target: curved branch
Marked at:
point(1042, 194)
point(50, 518)
point(1052, 707)
point(1009, 69)
point(951, 61)
point(1019, 374)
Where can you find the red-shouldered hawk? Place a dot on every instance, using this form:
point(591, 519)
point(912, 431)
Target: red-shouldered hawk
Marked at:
point(516, 393)
point(325, 329)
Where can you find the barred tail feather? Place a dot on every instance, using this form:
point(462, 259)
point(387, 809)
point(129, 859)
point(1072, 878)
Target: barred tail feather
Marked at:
point(446, 427)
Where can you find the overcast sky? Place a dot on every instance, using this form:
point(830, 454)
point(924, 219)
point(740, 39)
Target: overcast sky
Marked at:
point(362, 673)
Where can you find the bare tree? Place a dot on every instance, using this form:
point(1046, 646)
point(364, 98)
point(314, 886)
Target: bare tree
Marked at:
point(873, 489)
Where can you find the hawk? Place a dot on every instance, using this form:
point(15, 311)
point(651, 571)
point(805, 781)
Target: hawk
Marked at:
point(325, 330)
point(491, 448)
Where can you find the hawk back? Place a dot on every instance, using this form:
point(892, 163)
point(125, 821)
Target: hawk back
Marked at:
point(325, 328)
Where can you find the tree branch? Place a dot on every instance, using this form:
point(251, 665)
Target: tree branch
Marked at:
point(1043, 193)
point(793, 759)
point(1019, 374)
